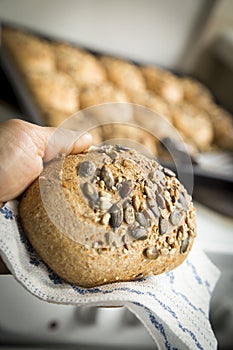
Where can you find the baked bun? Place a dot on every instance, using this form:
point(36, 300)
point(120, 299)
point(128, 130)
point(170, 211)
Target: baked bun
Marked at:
point(163, 83)
point(29, 52)
point(125, 75)
point(84, 68)
point(124, 217)
point(54, 91)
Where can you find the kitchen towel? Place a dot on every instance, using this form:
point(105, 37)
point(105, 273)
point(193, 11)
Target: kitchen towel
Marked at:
point(174, 306)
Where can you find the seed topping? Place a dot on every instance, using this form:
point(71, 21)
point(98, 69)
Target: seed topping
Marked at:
point(125, 189)
point(151, 253)
point(176, 217)
point(163, 226)
point(139, 233)
point(129, 214)
point(90, 192)
point(107, 176)
point(86, 168)
point(116, 215)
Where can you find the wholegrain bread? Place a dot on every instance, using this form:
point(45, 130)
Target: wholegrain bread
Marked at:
point(126, 217)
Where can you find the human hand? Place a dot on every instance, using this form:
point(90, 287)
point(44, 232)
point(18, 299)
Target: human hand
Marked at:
point(25, 147)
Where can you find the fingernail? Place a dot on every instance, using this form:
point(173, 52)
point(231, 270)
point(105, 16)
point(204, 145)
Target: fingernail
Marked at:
point(86, 137)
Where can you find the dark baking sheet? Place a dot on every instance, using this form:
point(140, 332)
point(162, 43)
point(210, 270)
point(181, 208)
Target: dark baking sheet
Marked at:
point(212, 186)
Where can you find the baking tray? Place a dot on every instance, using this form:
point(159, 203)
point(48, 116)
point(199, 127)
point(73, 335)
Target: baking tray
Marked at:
point(209, 181)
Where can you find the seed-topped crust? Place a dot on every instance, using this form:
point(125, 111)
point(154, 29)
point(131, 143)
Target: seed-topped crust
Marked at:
point(124, 216)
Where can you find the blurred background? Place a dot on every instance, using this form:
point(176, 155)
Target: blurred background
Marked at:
point(171, 56)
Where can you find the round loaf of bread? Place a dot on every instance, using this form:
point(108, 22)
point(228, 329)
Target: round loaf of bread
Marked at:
point(109, 214)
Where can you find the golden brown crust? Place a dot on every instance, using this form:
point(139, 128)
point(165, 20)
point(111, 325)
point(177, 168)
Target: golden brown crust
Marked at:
point(104, 93)
point(31, 53)
point(132, 133)
point(83, 67)
point(63, 78)
point(161, 249)
point(151, 101)
point(123, 74)
point(54, 91)
point(163, 83)
point(194, 124)
point(222, 123)
point(195, 92)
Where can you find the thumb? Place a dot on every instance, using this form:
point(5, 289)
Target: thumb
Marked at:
point(64, 141)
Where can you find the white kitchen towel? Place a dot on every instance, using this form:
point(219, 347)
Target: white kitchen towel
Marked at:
point(173, 306)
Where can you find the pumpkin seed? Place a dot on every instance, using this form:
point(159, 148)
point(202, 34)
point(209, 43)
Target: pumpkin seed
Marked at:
point(86, 168)
point(113, 155)
point(125, 189)
point(176, 217)
point(160, 201)
point(122, 148)
point(163, 226)
point(184, 245)
point(183, 201)
point(169, 172)
point(116, 215)
point(139, 233)
point(129, 214)
point(107, 176)
point(90, 192)
point(152, 204)
point(142, 220)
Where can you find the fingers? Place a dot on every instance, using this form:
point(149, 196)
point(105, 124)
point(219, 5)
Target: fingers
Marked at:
point(24, 147)
point(62, 141)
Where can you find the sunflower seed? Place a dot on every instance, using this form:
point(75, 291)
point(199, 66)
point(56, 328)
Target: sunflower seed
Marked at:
point(168, 172)
point(90, 192)
point(148, 214)
point(136, 202)
point(107, 176)
point(105, 194)
point(152, 204)
point(129, 214)
point(151, 253)
point(160, 188)
point(125, 203)
point(176, 217)
point(138, 232)
point(148, 192)
point(94, 204)
point(116, 215)
point(183, 201)
point(163, 226)
point(105, 219)
point(122, 148)
point(157, 176)
point(113, 155)
point(104, 204)
point(160, 201)
point(125, 189)
point(184, 245)
point(142, 220)
point(109, 237)
point(86, 168)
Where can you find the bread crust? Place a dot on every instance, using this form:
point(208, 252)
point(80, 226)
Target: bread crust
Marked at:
point(95, 264)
